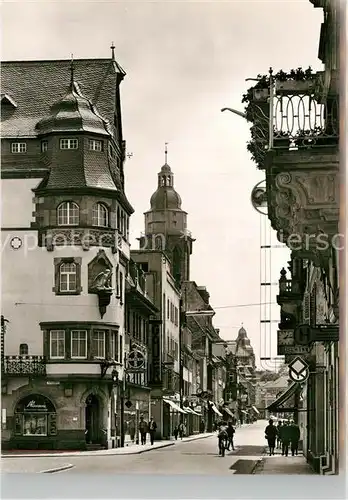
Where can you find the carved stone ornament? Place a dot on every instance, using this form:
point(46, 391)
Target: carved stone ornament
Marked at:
point(100, 280)
point(305, 208)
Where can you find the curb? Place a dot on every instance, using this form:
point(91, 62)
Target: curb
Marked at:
point(56, 469)
point(188, 440)
point(87, 453)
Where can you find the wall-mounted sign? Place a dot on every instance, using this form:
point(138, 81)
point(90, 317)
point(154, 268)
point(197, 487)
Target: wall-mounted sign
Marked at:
point(286, 337)
point(294, 349)
point(35, 404)
point(135, 360)
point(298, 370)
point(155, 353)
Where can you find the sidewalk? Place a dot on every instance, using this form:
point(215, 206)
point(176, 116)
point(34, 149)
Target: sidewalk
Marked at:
point(129, 449)
point(279, 464)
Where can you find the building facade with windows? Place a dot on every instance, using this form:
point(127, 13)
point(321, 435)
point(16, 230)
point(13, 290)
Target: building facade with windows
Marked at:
point(65, 225)
point(302, 179)
point(139, 311)
point(163, 343)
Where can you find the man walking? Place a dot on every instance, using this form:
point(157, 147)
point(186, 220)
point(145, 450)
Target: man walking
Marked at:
point(271, 435)
point(295, 435)
point(152, 430)
point(285, 436)
point(230, 434)
point(143, 430)
point(279, 436)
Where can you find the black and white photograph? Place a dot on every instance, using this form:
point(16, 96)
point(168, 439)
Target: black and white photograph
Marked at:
point(172, 242)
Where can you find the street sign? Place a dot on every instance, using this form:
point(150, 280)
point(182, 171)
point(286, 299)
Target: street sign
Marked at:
point(293, 349)
point(135, 360)
point(306, 334)
point(298, 370)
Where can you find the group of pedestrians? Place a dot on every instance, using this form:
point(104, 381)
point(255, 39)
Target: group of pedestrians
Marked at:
point(145, 428)
point(284, 435)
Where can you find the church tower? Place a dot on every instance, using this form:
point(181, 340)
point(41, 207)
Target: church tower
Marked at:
point(166, 225)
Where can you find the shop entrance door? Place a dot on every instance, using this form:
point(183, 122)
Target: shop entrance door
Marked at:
point(93, 428)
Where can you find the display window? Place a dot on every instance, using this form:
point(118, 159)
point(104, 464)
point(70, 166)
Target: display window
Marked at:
point(35, 415)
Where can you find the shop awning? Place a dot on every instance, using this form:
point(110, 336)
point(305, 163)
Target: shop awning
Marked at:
point(228, 411)
point(276, 406)
point(255, 410)
point(215, 410)
point(174, 405)
point(189, 410)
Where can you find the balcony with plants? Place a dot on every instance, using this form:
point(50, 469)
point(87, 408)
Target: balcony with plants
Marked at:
point(294, 139)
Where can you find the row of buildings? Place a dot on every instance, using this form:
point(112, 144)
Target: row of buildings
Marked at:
point(295, 141)
point(94, 334)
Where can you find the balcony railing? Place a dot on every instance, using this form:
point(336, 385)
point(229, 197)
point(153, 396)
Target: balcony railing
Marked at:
point(17, 366)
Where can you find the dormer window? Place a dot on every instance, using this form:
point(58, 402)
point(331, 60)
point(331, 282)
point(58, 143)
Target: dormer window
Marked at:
point(69, 144)
point(95, 145)
point(68, 214)
point(18, 147)
point(44, 146)
point(100, 216)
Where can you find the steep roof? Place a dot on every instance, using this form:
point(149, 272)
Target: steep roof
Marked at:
point(35, 86)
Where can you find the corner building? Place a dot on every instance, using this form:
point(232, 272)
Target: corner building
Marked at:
point(65, 253)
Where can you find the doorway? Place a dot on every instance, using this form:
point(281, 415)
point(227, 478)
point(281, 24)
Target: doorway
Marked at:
point(93, 428)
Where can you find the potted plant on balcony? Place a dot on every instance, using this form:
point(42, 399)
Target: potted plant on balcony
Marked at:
point(297, 81)
point(281, 139)
point(256, 99)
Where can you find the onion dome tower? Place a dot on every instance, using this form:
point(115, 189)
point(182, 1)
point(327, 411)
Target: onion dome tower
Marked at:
point(166, 225)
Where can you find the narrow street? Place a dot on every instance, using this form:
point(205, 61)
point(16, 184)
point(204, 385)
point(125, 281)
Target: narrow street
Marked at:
point(194, 457)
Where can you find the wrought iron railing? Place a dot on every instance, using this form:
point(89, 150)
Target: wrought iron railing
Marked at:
point(24, 366)
point(291, 115)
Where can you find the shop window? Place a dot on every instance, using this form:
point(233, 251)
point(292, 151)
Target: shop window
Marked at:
point(35, 416)
point(23, 350)
point(67, 276)
point(68, 214)
point(100, 216)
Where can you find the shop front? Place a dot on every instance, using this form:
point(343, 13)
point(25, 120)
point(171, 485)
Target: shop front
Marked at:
point(35, 423)
point(173, 415)
point(137, 405)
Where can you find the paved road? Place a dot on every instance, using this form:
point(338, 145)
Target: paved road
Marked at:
point(195, 457)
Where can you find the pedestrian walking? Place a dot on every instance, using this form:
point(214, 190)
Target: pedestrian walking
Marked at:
point(152, 429)
point(230, 434)
point(295, 435)
point(143, 430)
point(131, 428)
point(202, 426)
point(222, 438)
point(286, 436)
point(175, 432)
point(181, 430)
point(271, 436)
point(279, 430)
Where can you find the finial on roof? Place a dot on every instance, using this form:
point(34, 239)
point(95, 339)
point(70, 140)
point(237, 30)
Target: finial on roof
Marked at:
point(72, 72)
point(165, 152)
point(112, 51)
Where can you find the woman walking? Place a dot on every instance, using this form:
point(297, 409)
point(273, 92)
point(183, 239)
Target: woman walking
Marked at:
point(271, 436)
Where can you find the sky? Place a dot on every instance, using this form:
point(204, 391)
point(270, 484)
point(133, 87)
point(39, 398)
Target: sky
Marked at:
point(184, 62)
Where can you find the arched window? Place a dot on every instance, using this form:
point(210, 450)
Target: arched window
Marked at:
point(67, 277)
point(100, 216)
point(23, 350)
point(68, 214)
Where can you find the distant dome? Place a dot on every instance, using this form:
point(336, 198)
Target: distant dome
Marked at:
point(72, 113)
point(165, 198)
